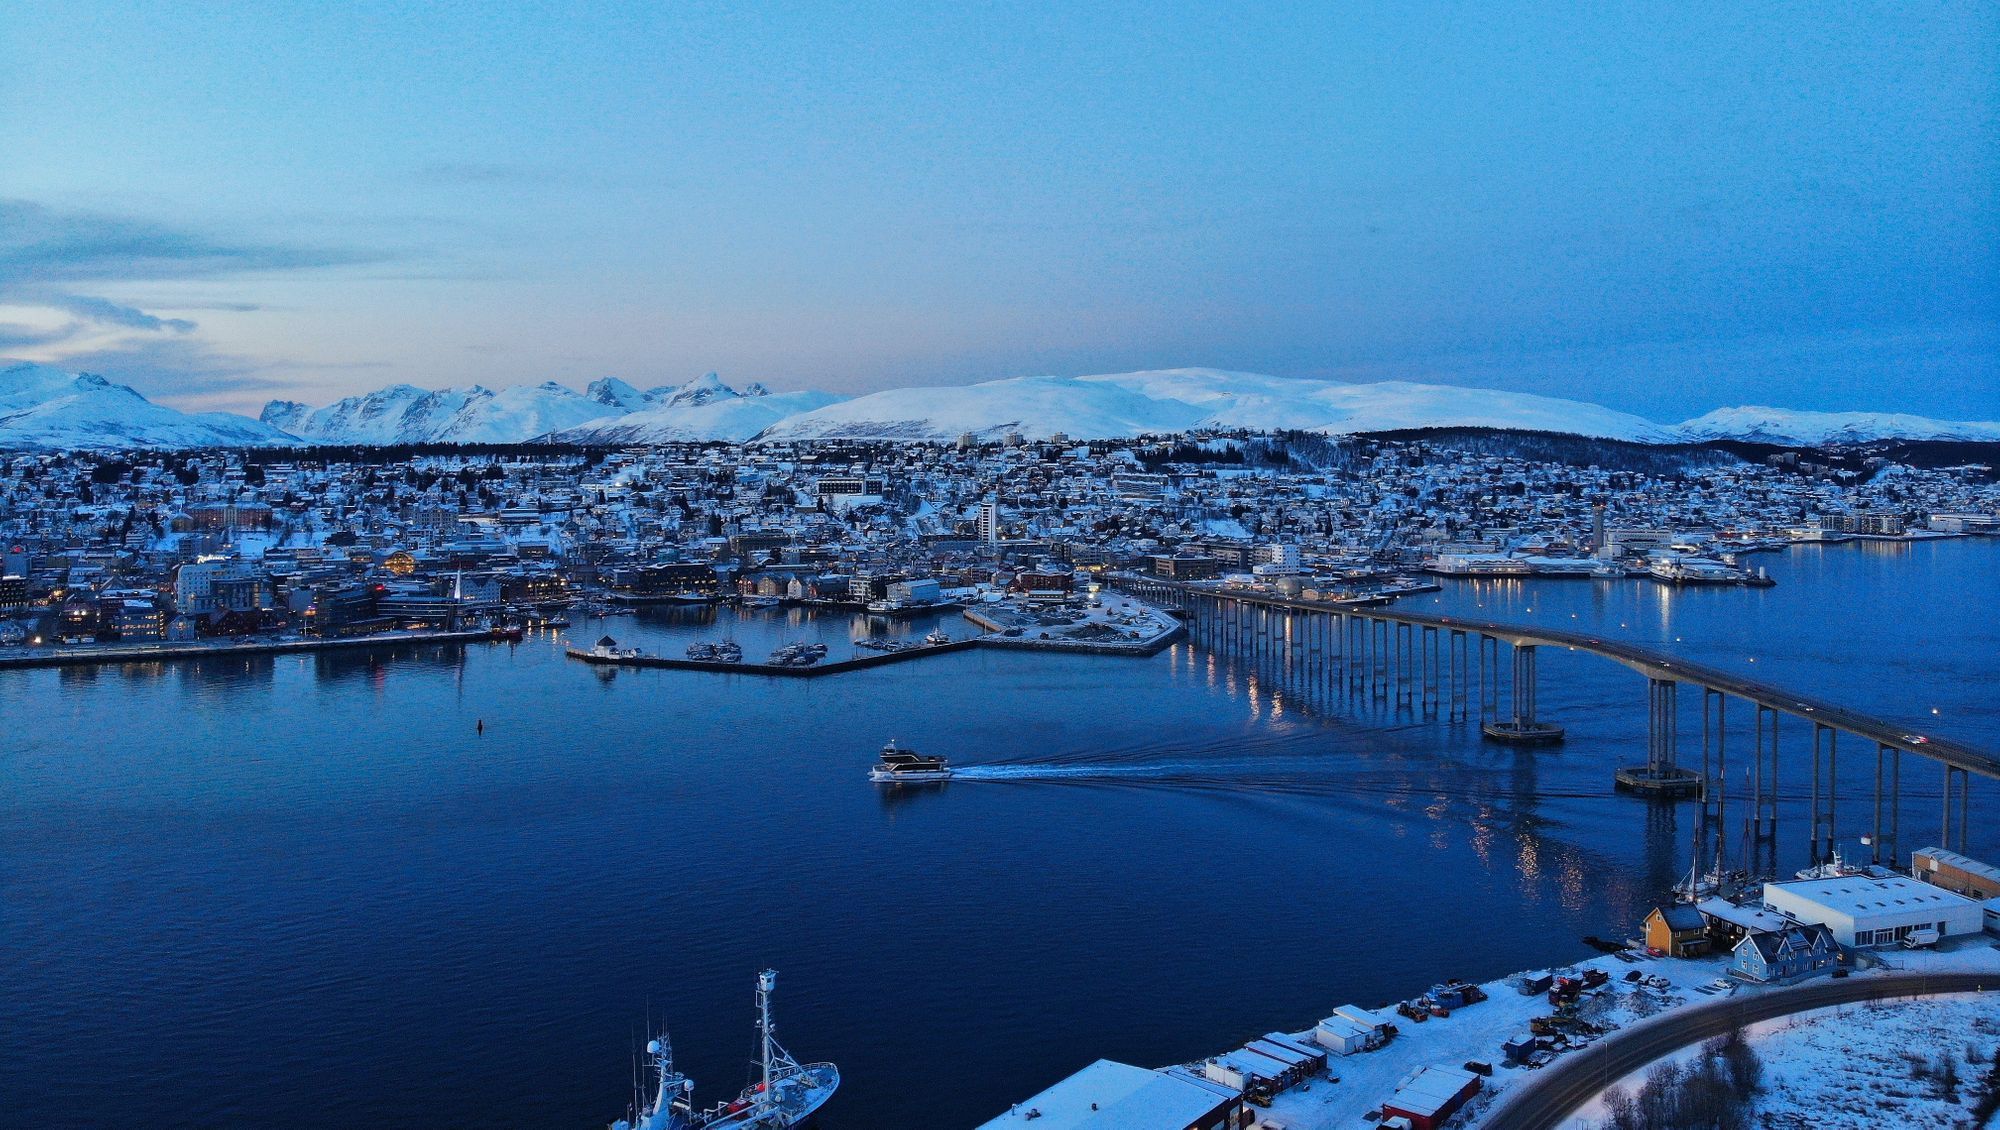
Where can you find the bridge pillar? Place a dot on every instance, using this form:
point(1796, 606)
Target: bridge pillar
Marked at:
point(1523, 728)
point(1406, 664)
point(1662, 775)
point(1875, 840)
point(1964, 787)
point(1460, 664)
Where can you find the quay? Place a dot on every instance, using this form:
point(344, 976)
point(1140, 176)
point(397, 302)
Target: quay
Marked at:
point(159, 653)
point(1451, 666)
point(617, 659)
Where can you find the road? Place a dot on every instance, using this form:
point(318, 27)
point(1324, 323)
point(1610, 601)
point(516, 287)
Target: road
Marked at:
point(1545, 1098)
point(1651, 662)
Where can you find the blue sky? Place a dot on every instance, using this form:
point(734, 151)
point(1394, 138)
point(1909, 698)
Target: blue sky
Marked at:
point(1663, 208)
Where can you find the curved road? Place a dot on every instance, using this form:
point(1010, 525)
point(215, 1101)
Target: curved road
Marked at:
point(1651, 662)
point(1549, 1096)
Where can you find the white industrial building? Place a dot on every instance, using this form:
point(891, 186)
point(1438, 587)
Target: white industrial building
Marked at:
point(1863, 910)
point(1118, 1096)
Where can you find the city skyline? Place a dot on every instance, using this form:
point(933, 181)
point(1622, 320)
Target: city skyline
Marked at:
point(1659, 213)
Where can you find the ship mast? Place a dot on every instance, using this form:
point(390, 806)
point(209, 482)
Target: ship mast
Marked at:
point(766, 982)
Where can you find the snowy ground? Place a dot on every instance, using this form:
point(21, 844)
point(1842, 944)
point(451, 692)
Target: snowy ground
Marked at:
point(1478, 1031)
point(1817, 1074)
point(1119, 621)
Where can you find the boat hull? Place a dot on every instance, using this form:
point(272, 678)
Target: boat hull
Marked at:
point(890, 777)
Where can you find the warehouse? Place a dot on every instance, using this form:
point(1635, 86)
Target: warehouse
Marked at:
point(1962, 874)
point(1430, 1096)
point(1342, 1036)
point(1118, 1096)
point(1862, 910)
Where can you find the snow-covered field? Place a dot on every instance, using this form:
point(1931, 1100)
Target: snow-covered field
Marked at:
point(1478, 1031)
point(1863, 1066)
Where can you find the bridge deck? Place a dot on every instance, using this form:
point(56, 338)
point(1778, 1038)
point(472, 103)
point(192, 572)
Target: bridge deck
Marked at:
point(1652, 662)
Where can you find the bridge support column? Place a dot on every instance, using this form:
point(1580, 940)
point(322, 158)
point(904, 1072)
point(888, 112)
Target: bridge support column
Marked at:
point(1433, 663)
point(1461, 668)
point(1489, 680)
point(1764, 814)
point(1662, 775)
point(1524, 728)
point(1964, 787)
point(1875, 840)
point(1406, 664)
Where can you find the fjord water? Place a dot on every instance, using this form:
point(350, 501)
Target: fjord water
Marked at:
point(307, 890)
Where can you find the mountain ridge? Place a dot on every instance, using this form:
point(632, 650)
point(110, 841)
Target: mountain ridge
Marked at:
point(44, 407)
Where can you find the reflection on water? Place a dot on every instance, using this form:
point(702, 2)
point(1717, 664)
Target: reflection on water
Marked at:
point(317, 890)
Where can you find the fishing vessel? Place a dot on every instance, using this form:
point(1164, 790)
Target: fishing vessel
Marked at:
point(899, 764)
point(785, 1093)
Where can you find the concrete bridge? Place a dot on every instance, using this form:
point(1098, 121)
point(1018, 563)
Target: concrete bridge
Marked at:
point(1427, 661)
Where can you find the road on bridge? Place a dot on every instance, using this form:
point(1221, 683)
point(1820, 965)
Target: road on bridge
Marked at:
point(1650, 661)
point(1544, 1099)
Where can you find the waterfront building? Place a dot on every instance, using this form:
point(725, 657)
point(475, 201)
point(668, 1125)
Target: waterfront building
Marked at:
point(1677, 930)
point(1428, 1097)
point(1109, 1095)
point(1781, 955)
point(1960, 874)
point(1863, 910)
point(212, 586)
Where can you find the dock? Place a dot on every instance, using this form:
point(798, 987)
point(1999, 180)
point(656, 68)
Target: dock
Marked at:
point(835, 667)
point(161, 653)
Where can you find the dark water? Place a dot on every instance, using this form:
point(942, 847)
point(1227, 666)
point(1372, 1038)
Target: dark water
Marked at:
point(306, 891)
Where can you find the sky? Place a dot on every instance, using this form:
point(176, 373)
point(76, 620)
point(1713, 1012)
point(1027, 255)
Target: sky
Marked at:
point(1659, 207)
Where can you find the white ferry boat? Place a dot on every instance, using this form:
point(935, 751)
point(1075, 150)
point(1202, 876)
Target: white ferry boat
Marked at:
point(786, 1093)
point(899, 765)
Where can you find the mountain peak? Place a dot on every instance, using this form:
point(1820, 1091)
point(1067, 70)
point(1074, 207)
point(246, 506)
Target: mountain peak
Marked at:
point(701, 390)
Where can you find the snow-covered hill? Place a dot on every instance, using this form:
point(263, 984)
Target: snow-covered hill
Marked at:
point(407, 414)
point(1174, 400)
point(43, 407)
point(1805, 429)
point(701, 410)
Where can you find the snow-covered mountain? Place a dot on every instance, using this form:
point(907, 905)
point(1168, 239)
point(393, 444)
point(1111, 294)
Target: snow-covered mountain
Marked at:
point(701, 410)
point(1174, 400)
point(1805, 429)
point(43, 407)
point(407, 414)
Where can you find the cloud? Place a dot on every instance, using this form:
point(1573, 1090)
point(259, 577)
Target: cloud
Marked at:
point(14, 335)
point(106, 312)
point(40, 245)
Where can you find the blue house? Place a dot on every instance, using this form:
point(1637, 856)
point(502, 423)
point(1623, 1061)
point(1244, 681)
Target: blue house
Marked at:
point(1781, 955)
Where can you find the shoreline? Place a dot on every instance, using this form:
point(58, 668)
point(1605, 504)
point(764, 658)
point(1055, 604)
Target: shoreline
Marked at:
point(115, 655)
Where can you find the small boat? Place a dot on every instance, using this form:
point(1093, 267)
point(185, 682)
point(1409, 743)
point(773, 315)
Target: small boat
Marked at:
point(937, 636)
point(899, 764)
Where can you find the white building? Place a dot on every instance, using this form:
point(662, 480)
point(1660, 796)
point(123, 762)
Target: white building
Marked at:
point(1118, 1096)
point(1284, 555)
point(1865, 911)
point(989, 521)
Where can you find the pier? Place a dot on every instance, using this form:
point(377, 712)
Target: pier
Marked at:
point(835, 667)
point(1425, 662)
point(162, 653)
